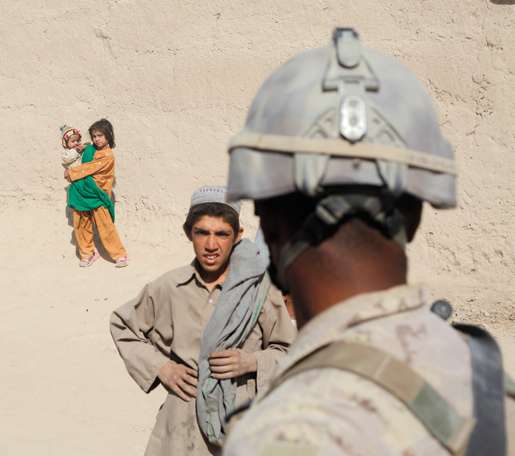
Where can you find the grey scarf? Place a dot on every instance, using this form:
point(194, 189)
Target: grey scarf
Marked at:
point(234, 316)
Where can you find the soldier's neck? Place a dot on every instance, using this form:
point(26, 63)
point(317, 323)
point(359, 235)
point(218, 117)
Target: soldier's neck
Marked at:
point(331, 273)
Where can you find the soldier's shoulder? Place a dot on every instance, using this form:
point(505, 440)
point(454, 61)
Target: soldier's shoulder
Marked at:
point(334, 413)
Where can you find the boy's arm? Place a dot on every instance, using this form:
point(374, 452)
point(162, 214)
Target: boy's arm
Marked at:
point(101, 164)
point(143, 349)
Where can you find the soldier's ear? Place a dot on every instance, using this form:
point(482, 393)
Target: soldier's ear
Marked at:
point(411, 209)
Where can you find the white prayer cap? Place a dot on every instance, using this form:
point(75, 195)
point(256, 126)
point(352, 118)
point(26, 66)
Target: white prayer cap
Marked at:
point(213, 194)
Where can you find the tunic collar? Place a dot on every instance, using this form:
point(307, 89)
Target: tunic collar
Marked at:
point(190, 273)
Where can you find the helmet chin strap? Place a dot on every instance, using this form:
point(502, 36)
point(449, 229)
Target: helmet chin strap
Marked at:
point(330, 213)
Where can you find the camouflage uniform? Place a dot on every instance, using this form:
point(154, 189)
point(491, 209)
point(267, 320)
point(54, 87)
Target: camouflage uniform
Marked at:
point(337, 412)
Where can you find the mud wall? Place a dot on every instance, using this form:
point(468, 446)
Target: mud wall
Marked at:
point(176, 79)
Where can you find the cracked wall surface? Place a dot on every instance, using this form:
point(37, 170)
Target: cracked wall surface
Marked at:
point(176, 79)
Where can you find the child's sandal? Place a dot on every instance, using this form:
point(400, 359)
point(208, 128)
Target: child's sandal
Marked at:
point(122, 262)
point(87, 262)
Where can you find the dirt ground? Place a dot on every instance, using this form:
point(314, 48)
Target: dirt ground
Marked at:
point(176, 78)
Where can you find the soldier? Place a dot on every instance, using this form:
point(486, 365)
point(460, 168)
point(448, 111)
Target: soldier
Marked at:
point(340, 149)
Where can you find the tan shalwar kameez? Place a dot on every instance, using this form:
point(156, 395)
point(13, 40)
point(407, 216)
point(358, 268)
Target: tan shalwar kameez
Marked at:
point(167, 320)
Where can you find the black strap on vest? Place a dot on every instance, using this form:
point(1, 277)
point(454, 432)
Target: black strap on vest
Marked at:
point(490, 386)
point(489, 434)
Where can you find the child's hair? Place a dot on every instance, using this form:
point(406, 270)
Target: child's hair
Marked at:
point(105, 127)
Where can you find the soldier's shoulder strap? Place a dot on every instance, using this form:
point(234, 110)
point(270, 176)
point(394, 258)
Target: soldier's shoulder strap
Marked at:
point(438, 416)
point(490, 385)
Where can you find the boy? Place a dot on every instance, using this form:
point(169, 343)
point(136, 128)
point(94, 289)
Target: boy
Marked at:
point(166, 334)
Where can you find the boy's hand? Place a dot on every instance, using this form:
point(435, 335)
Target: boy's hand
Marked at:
point(180, 379)
point(67, 175)
point(232, 363)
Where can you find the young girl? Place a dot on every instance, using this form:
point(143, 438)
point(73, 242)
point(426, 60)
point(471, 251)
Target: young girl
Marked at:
point(90, 197)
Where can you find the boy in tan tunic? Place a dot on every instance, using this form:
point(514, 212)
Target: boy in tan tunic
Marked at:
point(159, 334)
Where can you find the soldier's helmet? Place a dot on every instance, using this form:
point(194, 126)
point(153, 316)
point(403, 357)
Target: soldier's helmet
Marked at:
point(339, 118)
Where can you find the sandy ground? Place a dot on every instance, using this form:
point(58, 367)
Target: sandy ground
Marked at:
point(64, 388)
point(176, 79)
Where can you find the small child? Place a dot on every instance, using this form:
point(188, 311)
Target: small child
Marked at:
point(90, 197)
point(70, 139)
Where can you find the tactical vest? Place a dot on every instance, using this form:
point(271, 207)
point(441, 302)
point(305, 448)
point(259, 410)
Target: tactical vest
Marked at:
point(485, 434)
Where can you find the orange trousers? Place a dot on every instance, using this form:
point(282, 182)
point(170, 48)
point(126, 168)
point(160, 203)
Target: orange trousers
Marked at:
point(83, 229)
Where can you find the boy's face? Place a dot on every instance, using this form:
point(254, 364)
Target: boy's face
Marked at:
point(213, 239)
point(99, 139)
point(73, 142)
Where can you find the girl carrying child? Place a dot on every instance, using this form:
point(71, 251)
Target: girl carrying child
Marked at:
point(90, 197)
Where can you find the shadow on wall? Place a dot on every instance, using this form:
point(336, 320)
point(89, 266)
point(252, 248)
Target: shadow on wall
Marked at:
point(503, 2)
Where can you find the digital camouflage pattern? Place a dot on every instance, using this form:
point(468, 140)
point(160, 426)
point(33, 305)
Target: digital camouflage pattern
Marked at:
point(326, 412)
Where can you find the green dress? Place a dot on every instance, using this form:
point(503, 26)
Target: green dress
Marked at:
point(84, 194)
